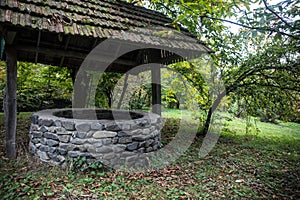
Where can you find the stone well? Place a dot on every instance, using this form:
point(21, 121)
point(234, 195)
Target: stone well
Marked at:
point(114, 137)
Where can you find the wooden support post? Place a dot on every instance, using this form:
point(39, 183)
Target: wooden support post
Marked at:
point(10, 102)
point(156, 89)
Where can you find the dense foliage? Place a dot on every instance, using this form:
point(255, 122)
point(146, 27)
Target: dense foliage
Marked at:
point(259, 63)
point(40, 86)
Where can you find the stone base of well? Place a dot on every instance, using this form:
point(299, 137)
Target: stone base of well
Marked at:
point(59, 134)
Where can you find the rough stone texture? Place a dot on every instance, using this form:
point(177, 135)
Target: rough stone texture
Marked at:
point(73, 154)
point(70, 126)
point(57, 123)
point(35, 140)
point(36, 134)
point(93, 140)
point(109, 156)
point(43, 155)
point(89, 134)
point(43, 129)
point(34, 119)
point(52, 142)
point(34, 127)
point(44, 148)
point(140, 137)
point(60, 130)
point(125, 140)
point(107, 141)
point(32, 147)
point(77, 141)
point(132, 146)
point(43, 141)
point(52, 129)
point(64, 138)
point(81, 135)
point(62, 151)
point(66, 146)
point(119, 148)
point(114, 143)
point(97, 126)
point(104, 134)
point(131, 158)
point(113, 127)
point(50, 136)
point(123, 134)
point(83, 127)
point(104, 149)
point(46, 122)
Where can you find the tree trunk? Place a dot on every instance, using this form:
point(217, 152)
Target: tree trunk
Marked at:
point(123, 91)
point(209, 115)
point(10, 103)
point(109, 97)
point(207, 123)
point(177, 104)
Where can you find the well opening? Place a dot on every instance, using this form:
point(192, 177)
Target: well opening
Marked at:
point(98, 114)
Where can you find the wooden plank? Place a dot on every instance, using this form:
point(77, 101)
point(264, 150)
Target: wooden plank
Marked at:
point(156, 89)
point(10, 103)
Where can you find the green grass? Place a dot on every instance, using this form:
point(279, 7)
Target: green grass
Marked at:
point(282, 129)
point(175, 113)
point(263, 164)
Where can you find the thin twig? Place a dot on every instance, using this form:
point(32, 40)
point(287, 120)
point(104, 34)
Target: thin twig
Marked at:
point(273, 12)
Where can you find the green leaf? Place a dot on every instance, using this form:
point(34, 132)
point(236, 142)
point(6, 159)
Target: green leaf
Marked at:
point(254, 33)
point(179, 18)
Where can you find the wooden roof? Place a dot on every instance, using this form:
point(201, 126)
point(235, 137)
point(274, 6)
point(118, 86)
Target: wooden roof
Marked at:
point(63, 32)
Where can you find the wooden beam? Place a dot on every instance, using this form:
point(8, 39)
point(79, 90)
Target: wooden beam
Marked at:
point(71, 54)
point(10, 102)
point(156, 89)
point(52, 52)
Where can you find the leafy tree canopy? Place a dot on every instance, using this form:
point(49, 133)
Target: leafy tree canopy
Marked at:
point(259, 64)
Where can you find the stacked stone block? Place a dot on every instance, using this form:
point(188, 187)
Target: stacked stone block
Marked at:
point(115, 143)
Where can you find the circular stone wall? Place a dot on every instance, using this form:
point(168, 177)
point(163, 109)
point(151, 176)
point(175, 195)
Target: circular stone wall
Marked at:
point(116, 138)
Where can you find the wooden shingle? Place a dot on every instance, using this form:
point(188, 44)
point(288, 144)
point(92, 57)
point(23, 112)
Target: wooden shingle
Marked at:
point(77, 25)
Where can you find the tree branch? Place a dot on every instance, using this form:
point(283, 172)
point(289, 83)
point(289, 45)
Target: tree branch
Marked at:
point(251, 27)
point(243, 25)
point(174, 14)
point(274, 13)
point(296, 89)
